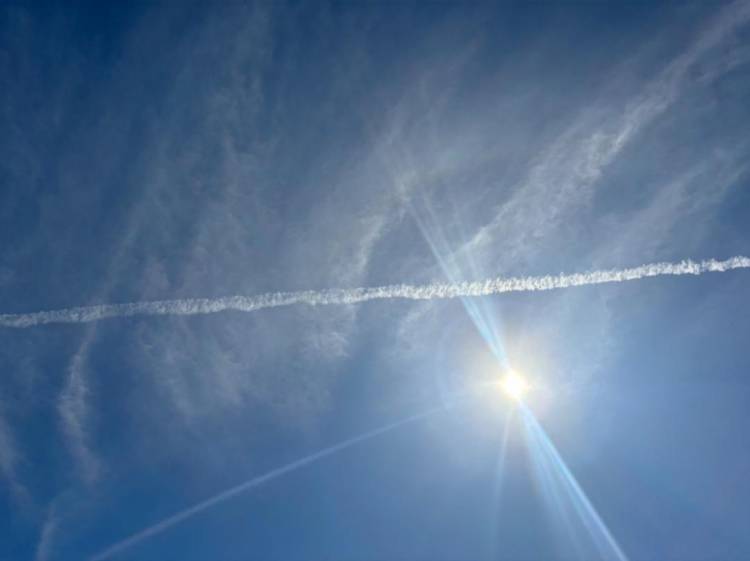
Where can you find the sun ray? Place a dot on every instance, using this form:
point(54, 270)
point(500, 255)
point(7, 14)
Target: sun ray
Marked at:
point(564, 496)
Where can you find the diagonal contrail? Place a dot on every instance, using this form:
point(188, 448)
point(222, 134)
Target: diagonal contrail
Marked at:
point(431, 291)
point(166, 523)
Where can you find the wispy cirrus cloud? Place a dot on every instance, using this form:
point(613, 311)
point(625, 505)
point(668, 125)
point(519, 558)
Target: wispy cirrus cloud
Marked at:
point(73, 409)
point(546, 214)
point(9, 459)
point(246, 152)
point(562, 178)
point(44, 547)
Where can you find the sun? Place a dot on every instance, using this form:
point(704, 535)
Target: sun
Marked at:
point(514, 386)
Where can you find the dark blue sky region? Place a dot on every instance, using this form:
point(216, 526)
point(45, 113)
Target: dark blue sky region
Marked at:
point(158, 151)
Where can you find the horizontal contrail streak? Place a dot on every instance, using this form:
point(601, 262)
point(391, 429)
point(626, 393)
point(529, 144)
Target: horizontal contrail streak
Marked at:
point(431, 291)
point(247, 485)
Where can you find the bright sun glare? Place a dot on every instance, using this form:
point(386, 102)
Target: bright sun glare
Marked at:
point(514, 386)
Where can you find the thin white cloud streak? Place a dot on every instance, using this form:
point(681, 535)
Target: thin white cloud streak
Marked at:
point(44, 547)
point(73, 409)
point(167, 523)
point(431, 291)
point(9, 458)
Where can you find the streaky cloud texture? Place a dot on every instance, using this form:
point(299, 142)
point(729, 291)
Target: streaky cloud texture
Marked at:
point(445, 162)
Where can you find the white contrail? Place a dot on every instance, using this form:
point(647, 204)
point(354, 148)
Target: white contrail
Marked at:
point(431, 291)
point(159, 527)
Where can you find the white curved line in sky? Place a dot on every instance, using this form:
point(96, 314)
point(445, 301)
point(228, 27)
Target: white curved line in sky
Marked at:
point(430, 291)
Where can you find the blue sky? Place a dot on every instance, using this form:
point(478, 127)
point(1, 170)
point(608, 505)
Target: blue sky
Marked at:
point(201, 150)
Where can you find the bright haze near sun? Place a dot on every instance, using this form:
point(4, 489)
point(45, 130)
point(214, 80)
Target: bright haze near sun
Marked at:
point(162, 162)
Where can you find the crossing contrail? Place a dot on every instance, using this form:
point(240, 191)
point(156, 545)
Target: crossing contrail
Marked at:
point(328, 297)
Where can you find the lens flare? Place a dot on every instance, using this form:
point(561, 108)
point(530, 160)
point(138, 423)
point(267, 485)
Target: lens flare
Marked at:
point(514, 386)
point(572, 512)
